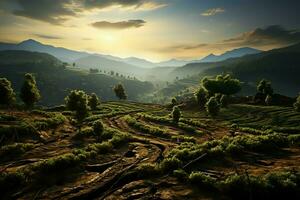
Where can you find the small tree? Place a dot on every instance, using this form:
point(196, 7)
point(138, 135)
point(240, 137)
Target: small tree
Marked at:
point(98, 128)
point(77, 101)
point(120, 92)
point(297, 104)
point(265, 87)
point(174, 101)
point(94, 101)
point(30, 94)
point(176, 114)
point(7, 94)
point(212, 106)
point(201, 97)
point(224, 101)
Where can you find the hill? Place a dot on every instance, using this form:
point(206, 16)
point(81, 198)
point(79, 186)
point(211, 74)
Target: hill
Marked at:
point(235, 53)
point(55, 80)
point(280, 66)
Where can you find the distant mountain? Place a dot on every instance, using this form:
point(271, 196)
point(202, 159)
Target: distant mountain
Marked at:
point(235, 53)
point(102, 63)
point(55, 80)
point(139, 62)
point(172, 63)
point(63, 54)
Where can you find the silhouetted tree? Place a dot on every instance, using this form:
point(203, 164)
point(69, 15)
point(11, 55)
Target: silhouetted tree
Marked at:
point(112, 73)
point(30, 94)
point(297, 104)
point(174, 101)
point(74, 64)
point(201, 97)
point(77, 101)
point(7, 94)
point(176, 114)
point(120, 91)
point(212, 106)
point(94, 101)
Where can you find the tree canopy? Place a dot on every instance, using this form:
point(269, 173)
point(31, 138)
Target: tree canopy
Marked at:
point(30, 93)
point(93, 101)
point(223, 84)
point(120, 91)
point(77, 101)
point(7, 94)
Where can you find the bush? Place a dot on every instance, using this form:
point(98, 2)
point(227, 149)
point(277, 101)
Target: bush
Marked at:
point(212, 106)
point(7, 94)
point(93, 101)
point(98, 128)
point(176, 114)
point(201, 97)
point(30, 94)
point(14, 150)
point(297, 104)
point(202, 180)
point(224, 101)
point(169, 164)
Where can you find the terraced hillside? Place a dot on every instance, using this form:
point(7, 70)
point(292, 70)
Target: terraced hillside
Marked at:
point(248, 152)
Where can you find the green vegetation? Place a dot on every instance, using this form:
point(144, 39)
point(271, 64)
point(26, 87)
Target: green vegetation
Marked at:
point(212, 106)
point(30, 94)
point(78, 101)
point(93, 101)
point(120, 92)
point(297, 104)
point(176, 114)
point(8, 96)
point(201, 96)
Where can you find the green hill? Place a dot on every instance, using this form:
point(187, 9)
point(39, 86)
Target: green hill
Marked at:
point(55, 80)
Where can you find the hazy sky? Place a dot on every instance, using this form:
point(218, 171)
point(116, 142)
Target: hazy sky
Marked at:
point(152, 29)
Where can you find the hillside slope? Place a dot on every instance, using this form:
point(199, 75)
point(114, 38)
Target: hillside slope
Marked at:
point(55, 81)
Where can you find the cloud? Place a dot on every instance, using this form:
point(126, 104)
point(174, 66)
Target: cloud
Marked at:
point(51, 37)
point(119, 25)
point(135, 4)
point(58, 11)
point(51, 11)
point(213, 11)
point(270, 35)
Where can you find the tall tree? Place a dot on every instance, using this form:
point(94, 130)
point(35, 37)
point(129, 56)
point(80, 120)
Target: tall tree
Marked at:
point(94, 101)
point(7, 94)
point(120, 92)
point(30, 93)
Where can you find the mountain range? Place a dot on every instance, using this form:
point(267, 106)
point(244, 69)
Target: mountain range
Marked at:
point(70, 56)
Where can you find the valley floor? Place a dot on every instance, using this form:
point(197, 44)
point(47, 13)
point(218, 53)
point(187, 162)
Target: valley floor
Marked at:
point(142, 154)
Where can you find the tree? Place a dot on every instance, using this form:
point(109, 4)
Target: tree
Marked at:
point(93, 101)
point(223, 84)
point(77, 101)
point(8, 96)
point(176, 114)
point(30, 94)
point(297, 104)
point(212, 106)
point(174, 101)
point(120, 92)
point(98, 128)
point(265, 87)
point(74, 64)
point(201, 97)
point(224, 101)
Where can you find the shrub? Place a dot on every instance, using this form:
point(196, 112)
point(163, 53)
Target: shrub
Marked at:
point(268, 100)
point(93, 101)
point(212, 106)
point(201, 97)
point(98, 128)
point(224, 101)
point(77, 101)
point(176, 114)
point(169, 164)
point(120, 92)
point(202, 180)
point(14, 150)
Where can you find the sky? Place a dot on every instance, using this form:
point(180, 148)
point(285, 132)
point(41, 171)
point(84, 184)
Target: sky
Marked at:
point(152, 29)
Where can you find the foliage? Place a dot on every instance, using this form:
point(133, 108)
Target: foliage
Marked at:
point(212, 106)
point(224, 101)
point(201, 97)
point(7, 94)
point(98, 127)
point(176, 114)
point(268, 100)
point(77, 101)
point(93, 101)
point(223, 84)
point(30, 94)
point(265, 87)
point(120, 92)
point(14, 150)
point(174, 101)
